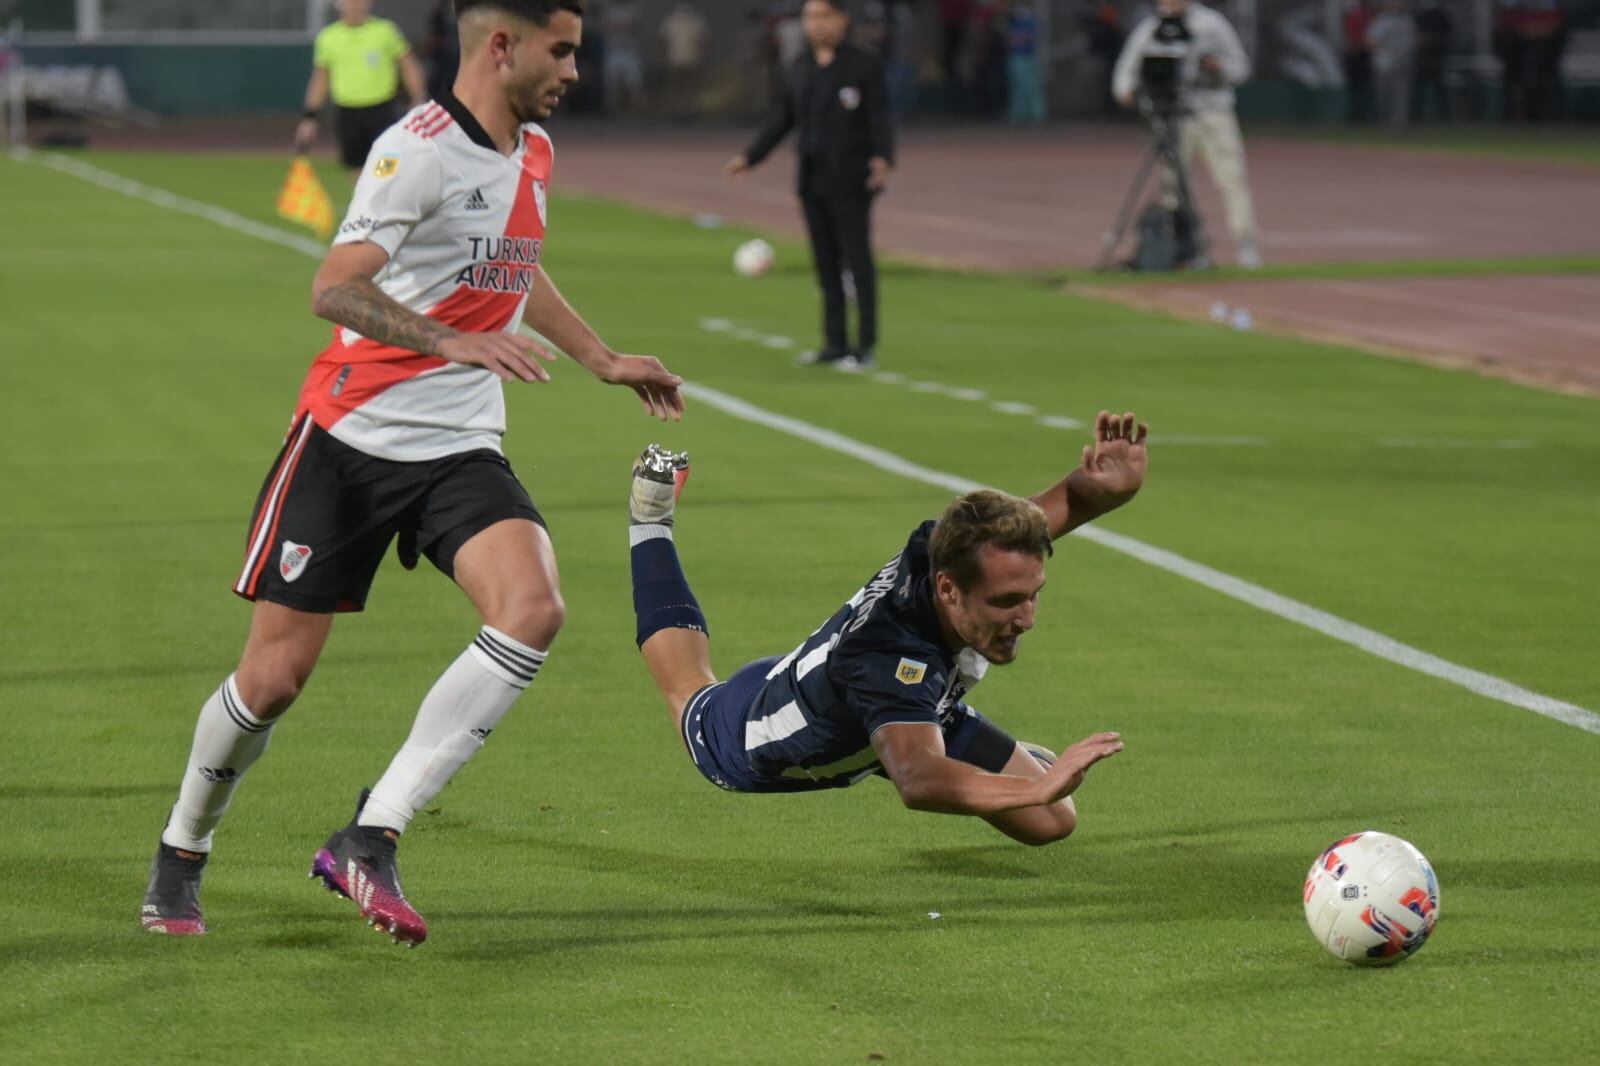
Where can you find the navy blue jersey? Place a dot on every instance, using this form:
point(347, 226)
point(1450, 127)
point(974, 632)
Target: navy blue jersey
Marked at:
point(879, 659)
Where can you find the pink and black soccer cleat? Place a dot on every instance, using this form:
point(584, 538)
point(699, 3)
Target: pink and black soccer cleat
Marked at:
point(358, 862)
point(172, 900)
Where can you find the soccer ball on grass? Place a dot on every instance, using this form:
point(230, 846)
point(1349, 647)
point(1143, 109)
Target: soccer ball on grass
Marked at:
point(1371, 899)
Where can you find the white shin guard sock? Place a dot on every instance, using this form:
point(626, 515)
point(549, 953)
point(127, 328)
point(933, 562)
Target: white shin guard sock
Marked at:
point(461, 709)
point(228, 739)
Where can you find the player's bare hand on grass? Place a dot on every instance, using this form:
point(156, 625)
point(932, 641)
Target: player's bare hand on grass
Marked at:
point(1064, 778)
point(655, 385)
point(1117, 461)
point(506, 355)
point(736, 166)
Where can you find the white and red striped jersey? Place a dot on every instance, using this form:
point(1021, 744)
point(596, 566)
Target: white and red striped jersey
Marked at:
point(464, 226)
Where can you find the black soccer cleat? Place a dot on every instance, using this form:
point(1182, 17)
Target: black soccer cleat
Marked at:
point(172, 900)
point(358, 862)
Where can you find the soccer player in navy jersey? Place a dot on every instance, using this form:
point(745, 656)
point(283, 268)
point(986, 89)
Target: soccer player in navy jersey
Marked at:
point(879, 688)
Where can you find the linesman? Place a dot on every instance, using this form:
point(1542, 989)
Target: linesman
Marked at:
point(360, 61)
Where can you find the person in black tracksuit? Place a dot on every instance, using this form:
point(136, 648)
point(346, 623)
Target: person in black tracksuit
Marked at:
point(837, 100)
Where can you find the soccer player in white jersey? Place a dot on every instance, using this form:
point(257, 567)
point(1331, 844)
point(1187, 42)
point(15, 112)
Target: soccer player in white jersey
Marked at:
point(397, 434)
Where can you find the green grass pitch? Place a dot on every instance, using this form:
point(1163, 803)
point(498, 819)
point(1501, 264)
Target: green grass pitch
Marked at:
point(591, 898)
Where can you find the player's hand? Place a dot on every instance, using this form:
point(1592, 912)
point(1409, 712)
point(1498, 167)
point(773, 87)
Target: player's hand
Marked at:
point(1126, 100)
point(736, 166)
point(878, 174)
point(305, 135)
point(508, 356)
point(1115, 464)
point(1211, 65)
point(655, 385)
point(1063, 779)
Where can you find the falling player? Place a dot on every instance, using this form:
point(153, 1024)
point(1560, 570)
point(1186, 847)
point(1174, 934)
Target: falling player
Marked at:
point(879, 688)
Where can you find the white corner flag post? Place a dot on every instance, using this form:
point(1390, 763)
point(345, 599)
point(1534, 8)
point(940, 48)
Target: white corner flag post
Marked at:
point(16, 102)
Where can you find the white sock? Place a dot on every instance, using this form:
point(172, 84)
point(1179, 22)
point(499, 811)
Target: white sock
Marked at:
point(228, 739)
point(463, 707)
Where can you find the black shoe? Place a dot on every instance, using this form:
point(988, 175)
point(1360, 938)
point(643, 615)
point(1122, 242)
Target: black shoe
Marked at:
point(358, 862)
point(859, 360)
point(823, 357)
point(172, 900)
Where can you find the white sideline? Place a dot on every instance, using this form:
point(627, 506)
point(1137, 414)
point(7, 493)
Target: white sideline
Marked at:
point(1367, 640)
point(138, 190)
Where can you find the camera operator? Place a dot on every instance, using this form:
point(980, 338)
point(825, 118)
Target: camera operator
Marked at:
point(1182, 64)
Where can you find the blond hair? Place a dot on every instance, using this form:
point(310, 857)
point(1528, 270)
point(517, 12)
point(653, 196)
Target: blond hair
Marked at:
point(980, 518)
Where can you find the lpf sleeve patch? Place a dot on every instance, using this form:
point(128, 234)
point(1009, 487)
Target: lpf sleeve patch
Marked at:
point(386, 166)
point(910, 672)
point(850, 97)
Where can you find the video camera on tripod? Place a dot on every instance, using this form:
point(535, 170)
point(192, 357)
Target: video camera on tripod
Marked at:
point(1161, 67)
point(1171, 235)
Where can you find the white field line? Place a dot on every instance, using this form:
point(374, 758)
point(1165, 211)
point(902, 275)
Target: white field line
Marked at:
point(1357, 636)
point(729, 328)
point(171, 201)
point(1367, 640)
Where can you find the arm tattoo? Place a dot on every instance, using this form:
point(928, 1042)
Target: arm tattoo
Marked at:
point(360, 305)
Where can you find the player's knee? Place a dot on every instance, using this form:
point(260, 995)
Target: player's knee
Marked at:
point(270, 690)
point(534, 618)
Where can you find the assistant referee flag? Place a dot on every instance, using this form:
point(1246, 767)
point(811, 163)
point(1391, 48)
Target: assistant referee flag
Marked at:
point(303, 199)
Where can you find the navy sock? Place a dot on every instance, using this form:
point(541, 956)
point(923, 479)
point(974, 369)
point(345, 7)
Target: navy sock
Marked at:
point(661, 596)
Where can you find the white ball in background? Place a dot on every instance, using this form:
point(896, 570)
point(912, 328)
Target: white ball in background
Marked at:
point(753, 258)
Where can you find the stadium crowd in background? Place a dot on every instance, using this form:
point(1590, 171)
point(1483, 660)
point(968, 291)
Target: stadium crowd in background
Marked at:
point(1017, 61)
point(1530, 37)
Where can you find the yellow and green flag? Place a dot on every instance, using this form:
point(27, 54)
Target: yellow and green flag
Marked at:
point(304, 200)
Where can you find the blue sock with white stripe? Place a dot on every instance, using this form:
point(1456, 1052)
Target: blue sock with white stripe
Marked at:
point(661, 596)
point(228, 739)
point(456, 717)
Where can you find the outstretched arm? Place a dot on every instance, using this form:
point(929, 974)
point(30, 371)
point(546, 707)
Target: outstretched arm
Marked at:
point(1111, 473)
point(550, 315)
point(913, 755)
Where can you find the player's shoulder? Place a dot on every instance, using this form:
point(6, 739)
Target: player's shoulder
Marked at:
point(388, 28)
point(418, 129)
point(410, 146)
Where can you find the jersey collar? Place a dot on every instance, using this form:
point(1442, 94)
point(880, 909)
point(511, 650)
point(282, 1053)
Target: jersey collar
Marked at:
point(464, 118)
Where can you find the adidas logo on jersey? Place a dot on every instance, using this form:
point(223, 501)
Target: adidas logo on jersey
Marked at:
point(476, 202)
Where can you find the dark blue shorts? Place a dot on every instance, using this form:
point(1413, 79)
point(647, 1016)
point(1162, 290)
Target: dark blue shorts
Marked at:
point(714, 721)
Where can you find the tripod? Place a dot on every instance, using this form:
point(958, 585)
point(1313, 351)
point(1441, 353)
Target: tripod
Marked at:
point(1187, 234)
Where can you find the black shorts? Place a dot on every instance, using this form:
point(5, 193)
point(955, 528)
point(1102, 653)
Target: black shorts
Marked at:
point(359, 126)
point(327, 513)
